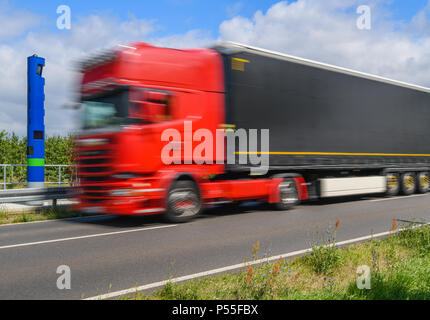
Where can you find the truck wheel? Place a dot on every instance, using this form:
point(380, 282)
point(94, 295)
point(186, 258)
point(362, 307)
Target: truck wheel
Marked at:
point(408, 183)
point(423, 182)
point(183, 202)
point(393, 184)
point(288, 194)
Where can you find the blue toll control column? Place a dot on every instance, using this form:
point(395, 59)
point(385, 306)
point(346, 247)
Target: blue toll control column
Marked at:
point(35, 123)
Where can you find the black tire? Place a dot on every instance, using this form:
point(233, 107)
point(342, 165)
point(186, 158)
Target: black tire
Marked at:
point(288, 194)
point(393, 184)
point(183, 202)
point(408, 183)
point(423, 182)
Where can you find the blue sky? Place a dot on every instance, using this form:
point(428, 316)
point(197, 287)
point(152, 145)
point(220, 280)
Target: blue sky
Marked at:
point(405, 9)
point(173, 16)
point(179, 16)
point(397, 46)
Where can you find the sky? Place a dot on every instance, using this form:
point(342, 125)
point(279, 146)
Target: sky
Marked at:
point(397, 45)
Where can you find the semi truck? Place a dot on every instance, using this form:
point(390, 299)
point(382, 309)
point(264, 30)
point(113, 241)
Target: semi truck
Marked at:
point(329, 131)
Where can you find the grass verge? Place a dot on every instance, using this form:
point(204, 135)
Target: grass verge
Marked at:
point(399, 268)
point(50, 213)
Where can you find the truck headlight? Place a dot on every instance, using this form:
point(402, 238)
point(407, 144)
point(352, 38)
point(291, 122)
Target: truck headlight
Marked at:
point(91, 142)
point(125, 175)
point(121, 193)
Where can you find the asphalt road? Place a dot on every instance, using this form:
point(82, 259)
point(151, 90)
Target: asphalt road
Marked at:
point(111, 253)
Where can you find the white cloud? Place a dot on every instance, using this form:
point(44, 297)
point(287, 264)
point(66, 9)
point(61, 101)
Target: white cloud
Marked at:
point(326, 31)
point(15, 22)
point(320, 30)
point(61, 50)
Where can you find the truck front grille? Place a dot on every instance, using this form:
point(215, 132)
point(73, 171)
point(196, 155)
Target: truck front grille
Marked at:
point(94, 170)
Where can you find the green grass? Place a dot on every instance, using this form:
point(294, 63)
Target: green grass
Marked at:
point(399, 268)
point(51, 213)
point(325, 258)
point(46, 185)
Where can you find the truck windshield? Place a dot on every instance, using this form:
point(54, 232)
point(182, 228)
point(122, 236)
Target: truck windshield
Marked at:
point(106, 110)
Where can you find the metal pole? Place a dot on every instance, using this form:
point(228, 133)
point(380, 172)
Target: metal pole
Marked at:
point(4, 177)
point(59, 176)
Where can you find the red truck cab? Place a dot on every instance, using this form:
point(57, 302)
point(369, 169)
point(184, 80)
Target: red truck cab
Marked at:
point(130, 97)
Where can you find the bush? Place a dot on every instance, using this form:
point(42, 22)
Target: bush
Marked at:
point(324, 257)
point(58, 150)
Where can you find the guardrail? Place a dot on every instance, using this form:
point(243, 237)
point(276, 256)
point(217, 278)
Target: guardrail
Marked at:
point(38, 194)
point(8, 179)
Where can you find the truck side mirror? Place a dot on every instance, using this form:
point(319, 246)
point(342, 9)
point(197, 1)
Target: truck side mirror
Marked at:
point(137, 110)
point(136, 104)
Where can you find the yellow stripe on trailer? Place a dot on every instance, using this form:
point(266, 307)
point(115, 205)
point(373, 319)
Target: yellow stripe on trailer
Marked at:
point(337, 154)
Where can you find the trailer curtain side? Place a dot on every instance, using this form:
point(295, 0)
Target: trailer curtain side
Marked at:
point(319, 116)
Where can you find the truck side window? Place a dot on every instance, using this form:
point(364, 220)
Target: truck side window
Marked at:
point(158, 106)
point(150, 105)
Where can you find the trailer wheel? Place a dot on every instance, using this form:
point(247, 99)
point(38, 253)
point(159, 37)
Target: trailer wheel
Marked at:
point(423, 182)
point(183, 202)
point(408, 183)
point(288, 194)
point(393, 184)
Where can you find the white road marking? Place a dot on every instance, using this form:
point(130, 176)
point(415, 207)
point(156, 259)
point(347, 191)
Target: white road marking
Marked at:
point(232, 267)
point(84, 237)
point(397, 198)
